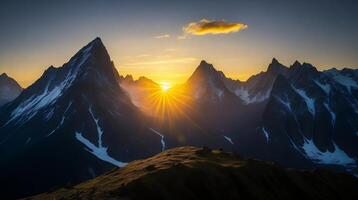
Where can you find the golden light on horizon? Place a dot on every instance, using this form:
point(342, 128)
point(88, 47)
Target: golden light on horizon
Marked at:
point(165, 86)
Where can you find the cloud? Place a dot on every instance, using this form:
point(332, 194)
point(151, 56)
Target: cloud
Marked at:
point(205, 26)
point(162, 36)
point(182, 37)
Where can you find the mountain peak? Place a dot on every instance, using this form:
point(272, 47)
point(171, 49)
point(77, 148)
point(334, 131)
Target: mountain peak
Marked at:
point(96, 41)
point(276, 67)
point(296, 64)
point(204, 71)
point(274, 61)
point(205, 67)
point(4, 75)
point(203, 62)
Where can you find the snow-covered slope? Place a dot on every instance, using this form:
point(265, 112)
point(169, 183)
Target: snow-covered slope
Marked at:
point(73, 123)
point(313, 116)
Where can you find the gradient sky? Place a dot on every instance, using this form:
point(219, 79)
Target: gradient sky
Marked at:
point(36, 34)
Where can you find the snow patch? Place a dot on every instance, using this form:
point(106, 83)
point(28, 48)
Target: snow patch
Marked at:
point(99, 130)
point(162, 138)
point(266, 134)
point(310, 102)
point(30, 107)
point(62, 120)
point(337, 157)
point(287, 104)
point(345, 81)
point(99, 152)
point(228, 139)
point(245, 96)
point(333, 115)
point(325, 87)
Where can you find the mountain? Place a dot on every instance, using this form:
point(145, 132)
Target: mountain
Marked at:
point(257, 88)
point(206, 83)
point(9, 89)
point(313, 115)
point(83, 119)
point(73, 123)
point(140, 91)
point(201, 173)
point(297, 116)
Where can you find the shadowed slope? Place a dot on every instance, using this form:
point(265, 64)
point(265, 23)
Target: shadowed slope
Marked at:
point(194, 173)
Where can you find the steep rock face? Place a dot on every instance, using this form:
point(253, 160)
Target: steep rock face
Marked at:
point(9, 89)
point(75, 120)
point(305, 117)
point(209, 174)
point(257, 88)
point(312, 115)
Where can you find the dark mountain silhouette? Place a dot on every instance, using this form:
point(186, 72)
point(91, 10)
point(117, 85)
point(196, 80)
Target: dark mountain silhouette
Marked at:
point(83, 119)
point(9, 89)
point(193, 173)
point(72, 124)
point(295, 115)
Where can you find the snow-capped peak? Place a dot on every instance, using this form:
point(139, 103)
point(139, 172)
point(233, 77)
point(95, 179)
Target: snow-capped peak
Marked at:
point(91, 64)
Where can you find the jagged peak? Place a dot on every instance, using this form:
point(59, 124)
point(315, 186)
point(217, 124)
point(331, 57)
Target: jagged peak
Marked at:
point(205, 67)
point(275, 66)
point(309, 66)
point(129, 77)
point(93, 48)
point(203, 71)
point(296, 64)
point(50, 68)
point(275, 61)
point(96, 42)
point(4, 75)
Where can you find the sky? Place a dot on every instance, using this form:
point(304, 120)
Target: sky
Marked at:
point(166, 40)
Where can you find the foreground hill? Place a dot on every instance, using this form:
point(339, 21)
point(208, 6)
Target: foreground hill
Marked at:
point(198, 173)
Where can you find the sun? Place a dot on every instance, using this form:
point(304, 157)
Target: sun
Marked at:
point(165, 86)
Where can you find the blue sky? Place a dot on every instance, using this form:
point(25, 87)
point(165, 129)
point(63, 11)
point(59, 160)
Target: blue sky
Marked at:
point(36, 34)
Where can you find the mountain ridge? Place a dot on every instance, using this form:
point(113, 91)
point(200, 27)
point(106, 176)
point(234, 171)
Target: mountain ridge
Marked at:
point(82, 118)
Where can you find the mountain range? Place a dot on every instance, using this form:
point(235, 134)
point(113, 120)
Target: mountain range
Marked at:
point(82, 119)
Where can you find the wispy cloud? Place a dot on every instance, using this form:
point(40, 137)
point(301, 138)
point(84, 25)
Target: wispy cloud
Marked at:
point(182, 37)
point(162, 36)
point(206, 26)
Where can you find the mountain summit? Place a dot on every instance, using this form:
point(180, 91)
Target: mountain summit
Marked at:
point(9, 89)
point(75, 118)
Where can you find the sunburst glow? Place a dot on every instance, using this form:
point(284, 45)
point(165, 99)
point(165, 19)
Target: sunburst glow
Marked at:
point(165, 86)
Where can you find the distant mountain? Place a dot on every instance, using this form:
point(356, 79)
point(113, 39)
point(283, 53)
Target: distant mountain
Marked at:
point(206, 83)
point(73, 123)
point(313, 114)
point(9, 89)
point(209, 174)
point(257, 88)
point(297, 115)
